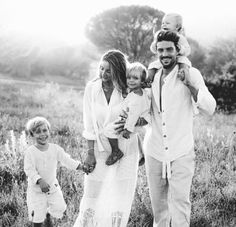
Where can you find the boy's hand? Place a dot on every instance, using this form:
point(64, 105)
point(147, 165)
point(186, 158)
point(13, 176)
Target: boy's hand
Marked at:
point(126, 134)
point(89, 163)
point(43, 185)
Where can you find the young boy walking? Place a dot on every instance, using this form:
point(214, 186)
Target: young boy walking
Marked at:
point(44, 195)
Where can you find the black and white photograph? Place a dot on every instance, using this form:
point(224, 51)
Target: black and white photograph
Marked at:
point(117, 113)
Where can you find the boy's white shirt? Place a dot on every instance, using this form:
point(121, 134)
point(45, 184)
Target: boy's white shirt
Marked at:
point(43, 164)
point(139, 106)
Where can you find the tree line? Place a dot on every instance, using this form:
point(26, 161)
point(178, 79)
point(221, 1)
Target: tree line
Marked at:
point(129, 29)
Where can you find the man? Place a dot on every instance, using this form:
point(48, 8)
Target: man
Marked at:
point(168, 143)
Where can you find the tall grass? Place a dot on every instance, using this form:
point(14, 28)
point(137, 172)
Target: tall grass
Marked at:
point(214, 185)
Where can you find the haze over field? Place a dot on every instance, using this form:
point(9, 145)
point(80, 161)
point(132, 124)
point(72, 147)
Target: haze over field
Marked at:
point(64, 21)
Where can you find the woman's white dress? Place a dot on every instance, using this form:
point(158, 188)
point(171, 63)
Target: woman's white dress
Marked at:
point(108, 190)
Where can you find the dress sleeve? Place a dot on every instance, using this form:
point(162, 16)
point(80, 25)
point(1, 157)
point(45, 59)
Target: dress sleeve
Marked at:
point(30, 168)
point(89, 132)
point(206, 103)
point(65, 159)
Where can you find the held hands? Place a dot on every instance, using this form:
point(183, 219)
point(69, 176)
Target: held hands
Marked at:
point(43, 185)
point(89, 163)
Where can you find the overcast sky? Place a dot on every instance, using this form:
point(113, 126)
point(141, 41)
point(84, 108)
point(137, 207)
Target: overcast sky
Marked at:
point(204, 20)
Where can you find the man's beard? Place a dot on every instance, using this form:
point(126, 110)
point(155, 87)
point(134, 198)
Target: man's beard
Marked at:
point(170, 64)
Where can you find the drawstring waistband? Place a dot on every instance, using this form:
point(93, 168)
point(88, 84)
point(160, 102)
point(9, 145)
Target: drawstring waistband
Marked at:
point(166, 171)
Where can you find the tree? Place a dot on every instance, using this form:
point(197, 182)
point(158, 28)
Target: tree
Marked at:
point(69, 61)
point(197, 56)
point(219, 54)
point(221, 74)
point(127, 28)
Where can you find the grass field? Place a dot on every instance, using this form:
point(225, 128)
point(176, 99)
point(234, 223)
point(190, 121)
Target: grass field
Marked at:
point(214, 185)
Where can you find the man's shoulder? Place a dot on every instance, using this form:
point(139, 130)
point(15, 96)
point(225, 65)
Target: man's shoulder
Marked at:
point(194, 70)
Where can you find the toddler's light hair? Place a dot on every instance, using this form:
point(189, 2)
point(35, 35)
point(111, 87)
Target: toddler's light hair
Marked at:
point(178, 18)
point(137, 67)
point(34, 123)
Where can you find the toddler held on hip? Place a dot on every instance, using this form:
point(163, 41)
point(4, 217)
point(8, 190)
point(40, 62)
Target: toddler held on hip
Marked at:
point(136, 104)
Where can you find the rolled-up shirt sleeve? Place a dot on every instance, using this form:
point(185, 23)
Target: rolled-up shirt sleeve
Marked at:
point(30, 169)
point(206, 103)
point(65, 159)
point(88, 132)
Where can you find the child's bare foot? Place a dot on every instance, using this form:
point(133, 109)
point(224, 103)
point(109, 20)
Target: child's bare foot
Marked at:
point(114, 157)
point(183, 75)
point(141, 161)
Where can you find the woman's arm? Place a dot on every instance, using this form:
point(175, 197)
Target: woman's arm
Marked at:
point(89, 132)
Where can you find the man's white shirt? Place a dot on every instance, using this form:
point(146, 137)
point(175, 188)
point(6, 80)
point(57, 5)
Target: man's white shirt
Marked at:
point(170, 133)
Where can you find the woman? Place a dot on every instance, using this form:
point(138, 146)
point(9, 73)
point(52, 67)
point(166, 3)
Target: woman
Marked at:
point(108, 190)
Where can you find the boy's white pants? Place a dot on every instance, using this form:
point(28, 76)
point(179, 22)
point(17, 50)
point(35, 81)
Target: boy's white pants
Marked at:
point(170, 197)
point(40, 203)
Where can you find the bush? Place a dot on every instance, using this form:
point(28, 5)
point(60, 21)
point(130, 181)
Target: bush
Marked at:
point(224, 91)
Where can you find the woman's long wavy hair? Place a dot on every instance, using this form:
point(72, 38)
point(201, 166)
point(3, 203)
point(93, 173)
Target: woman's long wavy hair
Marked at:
point(118, 63)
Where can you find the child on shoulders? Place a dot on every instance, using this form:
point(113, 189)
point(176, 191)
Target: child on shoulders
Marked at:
point(171, 22)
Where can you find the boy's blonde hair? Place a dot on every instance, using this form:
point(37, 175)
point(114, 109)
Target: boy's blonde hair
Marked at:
point(34, 123)
point(137, 67)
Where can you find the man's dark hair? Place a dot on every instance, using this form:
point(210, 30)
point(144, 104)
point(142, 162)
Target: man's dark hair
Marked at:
point(168, 36)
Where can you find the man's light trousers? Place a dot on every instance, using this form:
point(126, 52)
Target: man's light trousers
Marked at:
point(170, 197)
